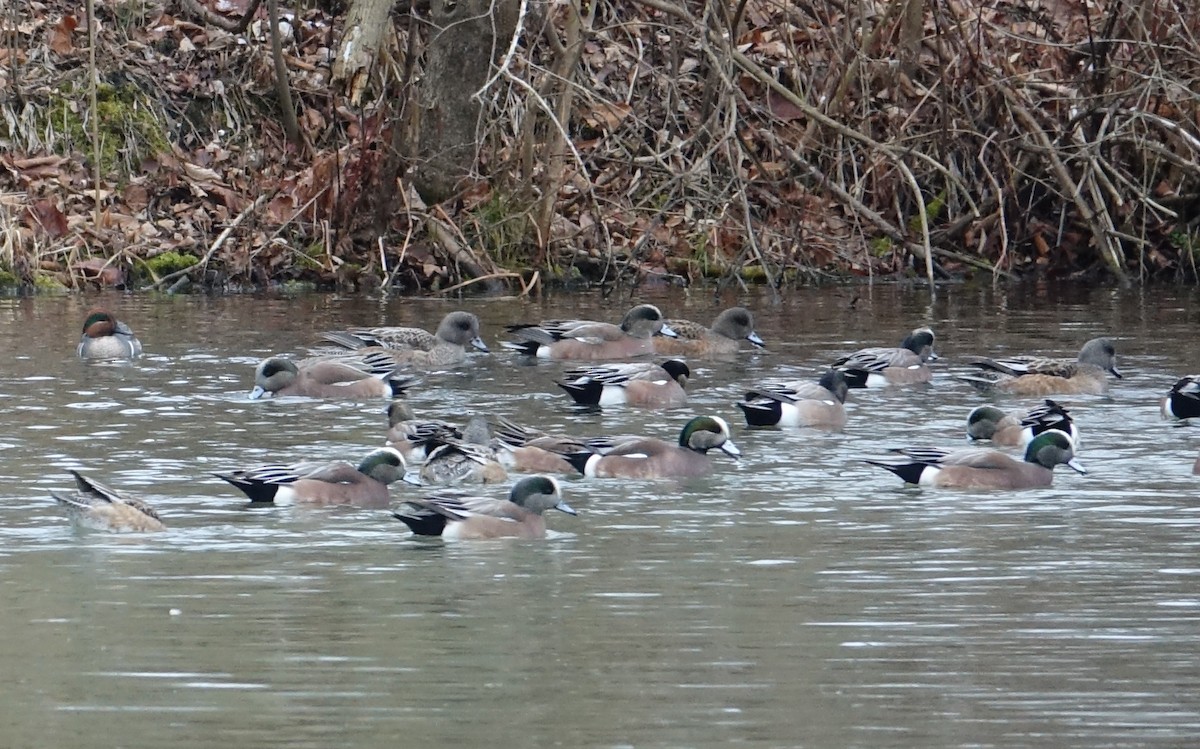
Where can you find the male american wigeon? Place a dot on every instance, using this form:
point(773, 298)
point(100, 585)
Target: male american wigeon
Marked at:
point(1018, 430)
point(982, 468)
point(106, 337)
point(469, 460)
point(725, 337)
point(459, 518)
point(881, 366)
point(325, 378)
point(523, 448)
point(1030, 375)
point(96, 506)
point(591, 341)
point(414, 437)
point(1183, 402)
point(795, 404)
point(636, 384)
point(648, 458)
point(416, 347)
point(334, 483)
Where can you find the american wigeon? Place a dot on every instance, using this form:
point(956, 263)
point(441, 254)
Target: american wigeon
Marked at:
point(414, 437)
point(882, 366)
point(334, 483)
point(725, 337)
point(1017, 430)
point(416, 347)
point(325, 378)
point(982, 468)
point(522, 448)
point(1183, 402)
point(458, 518)
point(591, 341)
point(648, 458)
point(1030, 375)
point(469, 460)
point(94, 505)
point(795, 404)
point(106, 337)
point(636, 384)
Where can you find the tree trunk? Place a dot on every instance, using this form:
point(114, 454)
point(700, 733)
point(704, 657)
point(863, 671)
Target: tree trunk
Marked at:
point(468, 36)
point(366, 24)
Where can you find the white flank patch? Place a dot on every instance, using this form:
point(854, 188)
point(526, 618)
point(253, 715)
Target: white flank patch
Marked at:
point(612, 395)
point(928, 475)
point(285, 495)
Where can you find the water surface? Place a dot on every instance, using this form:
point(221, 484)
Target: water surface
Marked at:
point(795, 598)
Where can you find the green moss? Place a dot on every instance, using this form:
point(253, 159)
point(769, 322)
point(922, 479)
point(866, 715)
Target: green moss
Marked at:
point(8, 280)
point(881, 246)
point(130, 130)
point(502, 228)
point(306, 259)
point(166, 263)
point(295, 288)
point(45, 282)
point(933, 209)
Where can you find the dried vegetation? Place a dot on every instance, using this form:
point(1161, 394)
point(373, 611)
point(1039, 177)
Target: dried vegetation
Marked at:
point(779, 141)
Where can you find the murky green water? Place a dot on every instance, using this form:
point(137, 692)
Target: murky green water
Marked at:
point(797, 598)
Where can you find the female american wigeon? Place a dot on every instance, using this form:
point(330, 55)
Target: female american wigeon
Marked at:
point(881, 366)
point(106, 337)
point(981, 468)
point(334, 483)
point(636, 384)
point(1029, 375)
point(414, 437)
point(795, 404)
point(1183, 402)
point(416, 347)
point(725, 337)
point(1017, 430)
point(94, 505)
point(649, 458)
point(325, 378)
point(469, 460)
point(459, 518)
point(591, 341)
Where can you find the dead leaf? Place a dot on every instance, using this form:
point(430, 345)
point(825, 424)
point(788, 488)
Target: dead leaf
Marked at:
point(45, 214)
point(60, 35)
point(199, 173)
point(98, 270)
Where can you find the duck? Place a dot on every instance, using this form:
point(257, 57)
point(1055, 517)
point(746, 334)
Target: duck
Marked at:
point(460, 518)
point(882, 366)
point(1183, 401)
point(648, 458)
point(106, 337)
point(636, 384)
point(523, 448)
point(335, 483)
point(414, 437)
point(99, 507)
point(416, 347)
point(588, 340)
point(984, 468)
point(326, 378)
point(798, 403)
point(1016, 430)
point(1029, 375)
point(724, 338)
point(467, 460)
